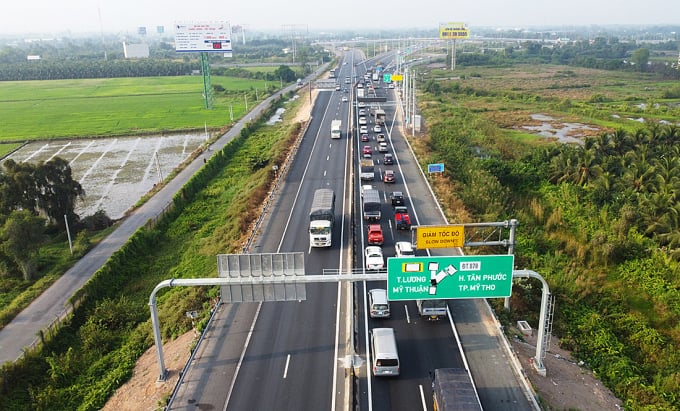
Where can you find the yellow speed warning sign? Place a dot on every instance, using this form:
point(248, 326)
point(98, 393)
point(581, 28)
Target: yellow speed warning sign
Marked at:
point(444, 236)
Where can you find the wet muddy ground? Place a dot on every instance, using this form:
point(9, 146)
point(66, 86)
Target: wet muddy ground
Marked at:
point(115, 172)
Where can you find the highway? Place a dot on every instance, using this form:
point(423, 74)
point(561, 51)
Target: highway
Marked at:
point(292, 355)
point(290, 359)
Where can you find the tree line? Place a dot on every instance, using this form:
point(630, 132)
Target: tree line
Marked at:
point(600, 53)
point(33, 197)
point(600, 223)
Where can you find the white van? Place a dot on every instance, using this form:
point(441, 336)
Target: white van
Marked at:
point(385, 359)
point(378, 305)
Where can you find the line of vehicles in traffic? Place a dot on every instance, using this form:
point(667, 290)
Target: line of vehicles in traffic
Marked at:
point(452, 388)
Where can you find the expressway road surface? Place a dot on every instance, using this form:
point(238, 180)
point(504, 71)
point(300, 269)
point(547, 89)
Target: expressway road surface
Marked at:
point(291, 355)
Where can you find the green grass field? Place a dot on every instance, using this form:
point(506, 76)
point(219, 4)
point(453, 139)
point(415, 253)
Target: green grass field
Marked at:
point(35, 110)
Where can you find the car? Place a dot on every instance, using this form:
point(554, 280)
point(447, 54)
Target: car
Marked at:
point(389, 176)
point(364, 138)
point(378, 303)
point(362, 112)
point(377, 129)
point(382, 147)
point(362, 121)
point(380, 138)
point(373, 258)
point(388, 159)
point(367, 151)
point(391, 85)
point(375, 235)
point(361, 104)
point(397, 198)
point(363, 130)
point(337, 87)
point(344, 99)
point(404, 249)
point(344, 63)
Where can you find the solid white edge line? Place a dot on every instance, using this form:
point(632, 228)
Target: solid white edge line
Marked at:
point(422, 397)
point(337, 341)
point(369, 368)
point(243, 354)
point(285, 369)
point(408, 317)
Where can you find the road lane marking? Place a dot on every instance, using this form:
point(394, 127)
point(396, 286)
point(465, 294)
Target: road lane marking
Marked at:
point(408, 317)
point(422, 397)
point(285, 370)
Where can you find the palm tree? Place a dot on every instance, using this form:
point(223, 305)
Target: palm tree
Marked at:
point(588, 167)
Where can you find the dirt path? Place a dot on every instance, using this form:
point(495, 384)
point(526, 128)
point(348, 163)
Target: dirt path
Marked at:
point(567, 385)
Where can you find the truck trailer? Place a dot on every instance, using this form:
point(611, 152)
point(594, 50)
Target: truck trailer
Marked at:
point(336, 131)
point(321, 218)
point(453, 390)
point(371, 205)
point(380, 117)
point(367, 170)
point(431, 310)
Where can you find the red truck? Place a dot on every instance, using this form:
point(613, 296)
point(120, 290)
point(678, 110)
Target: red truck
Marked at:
point(375, 234)
point(401, 218)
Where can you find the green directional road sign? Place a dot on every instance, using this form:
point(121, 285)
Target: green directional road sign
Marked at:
point(387, 78)
point(475, 276)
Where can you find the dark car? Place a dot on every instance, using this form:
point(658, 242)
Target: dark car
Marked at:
point(389, 176)
point(388, 159)
point(397, 198)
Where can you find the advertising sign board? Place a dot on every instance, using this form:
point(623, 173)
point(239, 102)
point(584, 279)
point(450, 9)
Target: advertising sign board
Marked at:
point(203, 37)
point(453, 31)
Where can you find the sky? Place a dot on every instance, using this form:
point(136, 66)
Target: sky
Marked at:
point(115, 16)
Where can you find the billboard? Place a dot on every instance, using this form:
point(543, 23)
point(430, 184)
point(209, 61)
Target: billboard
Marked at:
point(453, 31)
point(203, 37)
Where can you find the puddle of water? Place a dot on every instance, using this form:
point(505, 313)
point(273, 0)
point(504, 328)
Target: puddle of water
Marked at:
point(276, 117)
point(115, 173)
point(562, 132)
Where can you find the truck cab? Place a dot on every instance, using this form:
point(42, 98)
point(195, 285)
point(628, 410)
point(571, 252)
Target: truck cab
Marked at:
point(401, 218)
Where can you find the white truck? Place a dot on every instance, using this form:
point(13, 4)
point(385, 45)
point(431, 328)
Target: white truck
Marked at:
point(380, 117)
point(366, 170)
point(431, 310)
point(321, 218)
point(335, 129)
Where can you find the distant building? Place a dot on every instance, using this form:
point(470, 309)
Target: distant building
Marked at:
point(136, 51)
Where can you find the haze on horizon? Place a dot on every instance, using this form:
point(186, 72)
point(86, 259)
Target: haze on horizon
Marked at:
point(85, 16)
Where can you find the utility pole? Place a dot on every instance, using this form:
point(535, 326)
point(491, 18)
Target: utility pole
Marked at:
point(295, 30)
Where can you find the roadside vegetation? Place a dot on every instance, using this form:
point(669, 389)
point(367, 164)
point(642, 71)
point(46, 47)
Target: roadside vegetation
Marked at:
point(82, 364)
point(599, 221)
